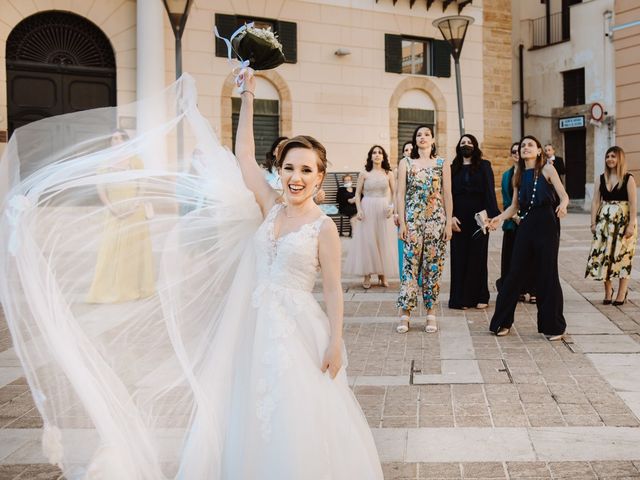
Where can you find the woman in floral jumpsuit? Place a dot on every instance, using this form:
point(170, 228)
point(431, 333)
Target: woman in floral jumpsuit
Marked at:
point(424, 209)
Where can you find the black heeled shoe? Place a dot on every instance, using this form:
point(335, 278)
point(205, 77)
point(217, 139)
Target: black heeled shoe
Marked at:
point(607, 301)
point(617, 303)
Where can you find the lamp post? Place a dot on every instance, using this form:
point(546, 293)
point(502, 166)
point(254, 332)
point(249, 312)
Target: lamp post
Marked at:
point(178, 11)
point(454, 29)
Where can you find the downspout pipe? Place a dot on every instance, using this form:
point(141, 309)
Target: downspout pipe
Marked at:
point(521, 82)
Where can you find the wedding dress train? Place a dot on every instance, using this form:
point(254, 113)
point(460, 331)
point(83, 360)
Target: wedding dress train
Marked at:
point(216, 374)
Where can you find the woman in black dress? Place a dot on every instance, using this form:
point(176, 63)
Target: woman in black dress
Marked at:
point(510, 229)
point(346, 198)
point(535, 192)
point(473, 191)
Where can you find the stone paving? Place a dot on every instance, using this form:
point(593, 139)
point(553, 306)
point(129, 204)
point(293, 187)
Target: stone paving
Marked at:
point(462, 403)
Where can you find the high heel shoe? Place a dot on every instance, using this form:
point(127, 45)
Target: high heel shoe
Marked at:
point(555, 338)
point(617, 303)
point(503, 332)
point(382, 282)
point(366, 284)
point(404, 325)
point(432, 324)
point(607, 301)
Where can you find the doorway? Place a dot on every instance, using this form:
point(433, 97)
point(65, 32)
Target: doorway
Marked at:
point(575, 157)
point(57, 63)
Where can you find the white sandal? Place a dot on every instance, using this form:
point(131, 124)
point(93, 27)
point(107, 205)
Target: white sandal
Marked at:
point(431, 325)
point(404, 325)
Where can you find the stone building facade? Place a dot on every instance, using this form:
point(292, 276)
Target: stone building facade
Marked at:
point(346, 86)
point(568, 65)
point(627, 72)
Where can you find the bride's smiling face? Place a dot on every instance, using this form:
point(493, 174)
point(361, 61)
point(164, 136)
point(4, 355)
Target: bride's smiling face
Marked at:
point(300, 175)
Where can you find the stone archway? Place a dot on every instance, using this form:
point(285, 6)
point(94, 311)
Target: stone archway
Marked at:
point(63, 57)
point(426, 85)
point(286, 108)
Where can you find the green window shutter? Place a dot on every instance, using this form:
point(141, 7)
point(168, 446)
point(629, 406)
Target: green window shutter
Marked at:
point(441, 58)
point(288, 36)
point(226, 24)
point(392, 53)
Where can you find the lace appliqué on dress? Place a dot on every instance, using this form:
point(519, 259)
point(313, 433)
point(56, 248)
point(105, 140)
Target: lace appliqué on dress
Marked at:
point(282, 306)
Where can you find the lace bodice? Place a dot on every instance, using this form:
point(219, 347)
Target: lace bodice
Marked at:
point(290, 261)
point(376, 186)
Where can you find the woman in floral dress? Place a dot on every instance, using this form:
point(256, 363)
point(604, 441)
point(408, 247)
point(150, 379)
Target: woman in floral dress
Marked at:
point(614, 211)
point(424, 188)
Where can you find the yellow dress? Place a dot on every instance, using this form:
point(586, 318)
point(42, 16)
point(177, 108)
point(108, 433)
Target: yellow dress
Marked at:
point(124, 268)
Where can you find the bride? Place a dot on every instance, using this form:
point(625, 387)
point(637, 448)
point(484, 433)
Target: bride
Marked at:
point(231, 370)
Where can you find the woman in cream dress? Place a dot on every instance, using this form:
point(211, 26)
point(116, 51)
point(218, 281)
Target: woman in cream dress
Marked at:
point(124, 268)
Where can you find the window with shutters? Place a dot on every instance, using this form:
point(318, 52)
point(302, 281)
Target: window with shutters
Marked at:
point(287, 33)
point(266, 124)
point(573, 86)
point(417, 56)
point(408, 121)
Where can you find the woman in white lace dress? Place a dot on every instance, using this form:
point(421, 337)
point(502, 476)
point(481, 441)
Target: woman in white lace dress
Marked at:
point(296, 416)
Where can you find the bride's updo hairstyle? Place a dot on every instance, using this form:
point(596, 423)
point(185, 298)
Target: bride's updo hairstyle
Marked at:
point(304, 141)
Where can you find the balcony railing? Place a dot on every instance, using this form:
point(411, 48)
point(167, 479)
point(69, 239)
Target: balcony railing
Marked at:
point(557, 32)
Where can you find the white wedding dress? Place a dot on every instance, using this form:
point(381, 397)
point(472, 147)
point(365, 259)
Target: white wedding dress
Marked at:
point(215, 375)
point(290, 420)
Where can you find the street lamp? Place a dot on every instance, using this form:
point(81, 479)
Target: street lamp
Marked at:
point(178, 11)
point(454, 29)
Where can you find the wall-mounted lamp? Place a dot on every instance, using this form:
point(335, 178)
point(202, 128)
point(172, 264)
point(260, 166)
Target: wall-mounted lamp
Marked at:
point(341, 52)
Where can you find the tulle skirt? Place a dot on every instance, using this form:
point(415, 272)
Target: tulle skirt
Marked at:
point(374, 248)
point(288, 420)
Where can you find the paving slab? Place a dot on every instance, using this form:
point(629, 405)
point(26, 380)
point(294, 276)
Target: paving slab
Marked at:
point(585, 443)
point(606, 343)
point(469, 445)
point(590, 323)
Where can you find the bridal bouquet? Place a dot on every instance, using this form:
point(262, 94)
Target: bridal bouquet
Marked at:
point(258, 48)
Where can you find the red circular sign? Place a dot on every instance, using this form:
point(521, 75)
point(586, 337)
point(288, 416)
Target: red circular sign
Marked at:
point(597, 111)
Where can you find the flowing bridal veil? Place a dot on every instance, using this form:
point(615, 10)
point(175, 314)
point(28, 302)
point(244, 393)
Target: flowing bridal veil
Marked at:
point(125, 260)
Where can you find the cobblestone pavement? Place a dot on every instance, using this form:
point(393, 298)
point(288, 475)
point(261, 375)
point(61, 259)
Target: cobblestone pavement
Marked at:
point(462, 403)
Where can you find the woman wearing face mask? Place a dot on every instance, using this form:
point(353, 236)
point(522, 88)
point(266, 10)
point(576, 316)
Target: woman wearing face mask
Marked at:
point(374, 247)
point(346, 200)
point(473, 191)
point(537, 242)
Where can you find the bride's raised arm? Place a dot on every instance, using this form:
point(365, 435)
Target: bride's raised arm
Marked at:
point(252, 174)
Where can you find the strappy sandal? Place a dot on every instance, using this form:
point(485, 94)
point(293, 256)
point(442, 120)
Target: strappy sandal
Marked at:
point(432, 324)
point(382, 282)
point(366, 284)
point(404, 325)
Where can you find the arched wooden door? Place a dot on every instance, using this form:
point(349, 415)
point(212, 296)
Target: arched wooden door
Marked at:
point(57, 62)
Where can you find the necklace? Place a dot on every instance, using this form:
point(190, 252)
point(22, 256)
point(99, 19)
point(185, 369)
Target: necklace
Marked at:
point(533, 196)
